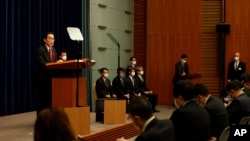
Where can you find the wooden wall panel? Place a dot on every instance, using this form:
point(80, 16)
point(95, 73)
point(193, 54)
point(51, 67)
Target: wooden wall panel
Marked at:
point(211, 15)
point(140, 32)
point(238, 40)
point(173, 28)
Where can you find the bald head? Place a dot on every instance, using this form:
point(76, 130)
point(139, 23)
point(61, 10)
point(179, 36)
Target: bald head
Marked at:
point(237, 54)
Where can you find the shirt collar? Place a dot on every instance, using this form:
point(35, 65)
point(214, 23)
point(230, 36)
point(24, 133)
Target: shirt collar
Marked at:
point(146, 123)
point(187, 102)
point(206, 99)
point(48, 47)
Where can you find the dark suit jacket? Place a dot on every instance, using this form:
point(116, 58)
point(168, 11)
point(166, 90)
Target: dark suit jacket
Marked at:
point(118, 88)
point(101, 88)
point(218, 115)
point(238, 108)
point(179, 68)
point(191, 122)
point(142, 84)
point(132, 90)
point(43, 58)
point(236, 74)
point(127, 69)
point(43, 77)
point(158, 130)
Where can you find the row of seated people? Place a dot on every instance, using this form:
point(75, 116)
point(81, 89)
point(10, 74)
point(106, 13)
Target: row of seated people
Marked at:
point(190, 121)
point(125, 87)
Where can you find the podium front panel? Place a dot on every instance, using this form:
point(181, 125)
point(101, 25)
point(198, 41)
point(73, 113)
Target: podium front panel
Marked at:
point(64, 92)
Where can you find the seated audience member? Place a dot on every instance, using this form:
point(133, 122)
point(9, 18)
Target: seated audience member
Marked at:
point(52, 124)
point(246, 82)
point(132, 64)
point(153, 129)
point(152, 97)
point(118, 85)
point(240, 105)
point(191, 121)
point(103, 85)
point(132, 85)
point(216, 109)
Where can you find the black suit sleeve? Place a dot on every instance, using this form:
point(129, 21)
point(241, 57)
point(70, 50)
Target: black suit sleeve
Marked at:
point(234, 110)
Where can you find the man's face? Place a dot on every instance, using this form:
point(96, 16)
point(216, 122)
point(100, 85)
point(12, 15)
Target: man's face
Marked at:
point(136, 121)
point(105, 73)
point(49, 41)
point(133, 61)
point(247, 85)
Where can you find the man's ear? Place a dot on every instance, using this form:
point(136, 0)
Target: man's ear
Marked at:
point(136, 118)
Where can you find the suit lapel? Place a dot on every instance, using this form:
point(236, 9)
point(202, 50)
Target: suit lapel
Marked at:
point(46, 53)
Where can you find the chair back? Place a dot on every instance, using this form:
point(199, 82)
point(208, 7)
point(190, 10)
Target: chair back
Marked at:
point(225, 134)
point(245, 121)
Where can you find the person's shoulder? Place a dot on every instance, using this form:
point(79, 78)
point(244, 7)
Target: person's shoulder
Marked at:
point(42, 47)
point(98, 80)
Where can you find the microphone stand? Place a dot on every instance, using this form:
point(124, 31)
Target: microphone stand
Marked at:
point(118, 45)
point(77, 73)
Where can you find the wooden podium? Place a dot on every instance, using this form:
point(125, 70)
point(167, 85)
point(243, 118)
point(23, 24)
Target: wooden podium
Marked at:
point(64, 86)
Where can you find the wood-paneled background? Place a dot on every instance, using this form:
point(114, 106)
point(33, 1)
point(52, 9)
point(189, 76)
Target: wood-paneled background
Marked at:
point(237, 14)
point(174, 27)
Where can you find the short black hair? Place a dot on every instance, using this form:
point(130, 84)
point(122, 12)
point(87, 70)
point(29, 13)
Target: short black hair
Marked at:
point(46, 34)
point(120, 69)
point(131, 58)
point(102, 70)
point(130, 69)
point(139, 68)
point(200, 89)
point(245, 77)
point(184, 56)
point(185, 89)
point(141, 107)
point(234, 85)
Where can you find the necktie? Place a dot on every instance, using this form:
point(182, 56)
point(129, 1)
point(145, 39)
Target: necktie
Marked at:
point(121, 81)
point(106, 82)
point(235, 65)
point(133, 83)
point(141, 78)
point(50, 55)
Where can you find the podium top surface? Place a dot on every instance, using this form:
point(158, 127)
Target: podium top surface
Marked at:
point(84, 63)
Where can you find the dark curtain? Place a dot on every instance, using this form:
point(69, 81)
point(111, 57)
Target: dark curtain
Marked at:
point(23, 24)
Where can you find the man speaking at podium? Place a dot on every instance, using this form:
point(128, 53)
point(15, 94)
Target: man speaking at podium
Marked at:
point(45, 54)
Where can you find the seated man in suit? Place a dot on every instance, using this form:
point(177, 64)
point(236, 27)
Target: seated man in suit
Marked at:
point(236, 68)
point(153, 129)
point(132, 64)
point(246, 82)
point(152, 97)
point(240, 105)
point(132, 85)
point(103, 85)
point(218, 114)
point(191, 121)
point(119, 85)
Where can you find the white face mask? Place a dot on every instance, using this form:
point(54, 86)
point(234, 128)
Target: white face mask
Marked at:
point(175, 104)
point(183, 61)
point(121, 75)
point(133, 62)
point(133, 73)
point(142, 72)
point(64, 58)
point(106, 75)
point(228, 98)
point(236, 58)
